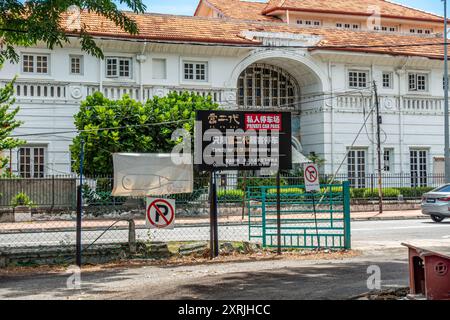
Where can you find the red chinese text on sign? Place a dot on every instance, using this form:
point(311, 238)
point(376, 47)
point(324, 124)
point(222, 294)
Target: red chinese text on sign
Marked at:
point(263, 121)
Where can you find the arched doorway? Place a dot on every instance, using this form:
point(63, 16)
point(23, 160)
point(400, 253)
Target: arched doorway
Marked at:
point(263, 85)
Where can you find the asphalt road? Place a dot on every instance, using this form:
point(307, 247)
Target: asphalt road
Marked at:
point(365, 234)
point(273, 279)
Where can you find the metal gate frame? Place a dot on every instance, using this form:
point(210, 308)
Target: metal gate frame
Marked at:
point(328, 228)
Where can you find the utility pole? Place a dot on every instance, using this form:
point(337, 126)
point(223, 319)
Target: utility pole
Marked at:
point(79, 207)
point(379, 120)
point(446, 111)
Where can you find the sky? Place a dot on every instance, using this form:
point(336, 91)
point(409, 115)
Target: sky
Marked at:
point(187, 7)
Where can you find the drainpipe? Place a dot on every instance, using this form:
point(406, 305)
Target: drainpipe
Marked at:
point(330, 79)
point(100, 76)
point(400, 118)
point(374, 124)
point(400, 72)
point(141, 59)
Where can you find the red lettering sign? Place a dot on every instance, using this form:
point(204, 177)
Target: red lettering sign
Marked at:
point(263, 121)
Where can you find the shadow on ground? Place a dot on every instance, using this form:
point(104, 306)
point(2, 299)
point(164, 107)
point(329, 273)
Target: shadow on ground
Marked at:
point(54, 285)
point(328, 281)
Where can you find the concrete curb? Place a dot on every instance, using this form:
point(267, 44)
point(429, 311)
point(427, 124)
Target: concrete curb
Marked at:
point(390, 218)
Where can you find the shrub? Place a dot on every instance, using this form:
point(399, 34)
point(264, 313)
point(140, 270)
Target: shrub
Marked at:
point(230, 195)
point(186, 197)
point(286, 191)
point(387, 193)
point(259, 182)
point(357, 193)
point(414, 192)
point(21, 199)
point(100, 198)
point(334, 189)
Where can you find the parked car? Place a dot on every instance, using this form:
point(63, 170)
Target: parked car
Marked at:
point(436, 203)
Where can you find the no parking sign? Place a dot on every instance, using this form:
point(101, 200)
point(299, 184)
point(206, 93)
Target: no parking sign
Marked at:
point(311, 175)
point(160, 213)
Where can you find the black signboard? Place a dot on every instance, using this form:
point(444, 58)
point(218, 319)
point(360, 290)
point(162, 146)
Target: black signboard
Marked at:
point(243, 140)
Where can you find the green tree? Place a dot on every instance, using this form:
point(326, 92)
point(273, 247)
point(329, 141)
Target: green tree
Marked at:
point(139, 127)
point(7, 122)
point(25, 23)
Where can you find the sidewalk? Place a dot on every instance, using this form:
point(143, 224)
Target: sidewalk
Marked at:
point(61, 225)
point(388, 215)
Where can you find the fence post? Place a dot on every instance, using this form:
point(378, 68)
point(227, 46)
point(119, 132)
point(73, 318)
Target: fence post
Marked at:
point(53, 193)
point(371, 186)
point(263, 215)
point(132, 236)
point(78, 231)
point(347, 230)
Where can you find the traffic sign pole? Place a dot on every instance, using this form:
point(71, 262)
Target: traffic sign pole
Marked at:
point(278, 214)
point(315, 218)
point(213, 230)
point(216, 229)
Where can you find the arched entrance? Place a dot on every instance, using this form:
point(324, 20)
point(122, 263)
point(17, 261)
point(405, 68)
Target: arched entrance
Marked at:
point(282, 83)
point(263, 85)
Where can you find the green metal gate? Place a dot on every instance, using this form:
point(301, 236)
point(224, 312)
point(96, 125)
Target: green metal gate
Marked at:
point(328, 226)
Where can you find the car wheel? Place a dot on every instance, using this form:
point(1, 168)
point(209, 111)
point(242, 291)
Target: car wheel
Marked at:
point(437, 218)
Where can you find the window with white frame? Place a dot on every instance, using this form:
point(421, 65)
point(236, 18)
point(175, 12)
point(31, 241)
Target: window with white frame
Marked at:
point(388, 155)
point(421, 31)
point(358, 79)
point(195, 71)
point(387, 80)
point(385, 28)
point(418, 159)
point(76, 65)
point(353, 26)
point(356, 168)
point(418, 82)
point(32, 162)
point(35, 63)
point(315, 23)
point(118, 67)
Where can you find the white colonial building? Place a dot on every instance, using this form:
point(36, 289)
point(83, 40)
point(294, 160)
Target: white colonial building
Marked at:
point(315, 58)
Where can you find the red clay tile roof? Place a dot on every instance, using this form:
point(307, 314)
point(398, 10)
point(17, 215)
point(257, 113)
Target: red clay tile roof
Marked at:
point(238, 9)
point(353, 7)
point(167, 27)
point(228, 31)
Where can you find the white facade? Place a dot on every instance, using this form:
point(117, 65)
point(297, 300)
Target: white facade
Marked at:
point(328, 111)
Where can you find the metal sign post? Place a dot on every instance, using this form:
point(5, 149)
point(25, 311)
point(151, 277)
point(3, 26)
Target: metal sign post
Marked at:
point(312, 185)
point(313, 196)
point(214, 237)
point(79, 207)
point(278, 214)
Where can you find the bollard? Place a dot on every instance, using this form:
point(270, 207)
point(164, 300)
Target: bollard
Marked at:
point(132, 236)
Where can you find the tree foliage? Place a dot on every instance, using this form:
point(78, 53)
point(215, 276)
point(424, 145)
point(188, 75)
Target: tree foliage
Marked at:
point(138, 127)
point(8, 122)
point(25, 23)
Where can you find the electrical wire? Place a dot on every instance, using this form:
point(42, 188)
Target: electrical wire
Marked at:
point(302, 98)
point(350, 148)
point(53, 133)
point(100, 129)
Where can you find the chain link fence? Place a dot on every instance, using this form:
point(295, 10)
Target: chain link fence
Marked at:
point(45, 213)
